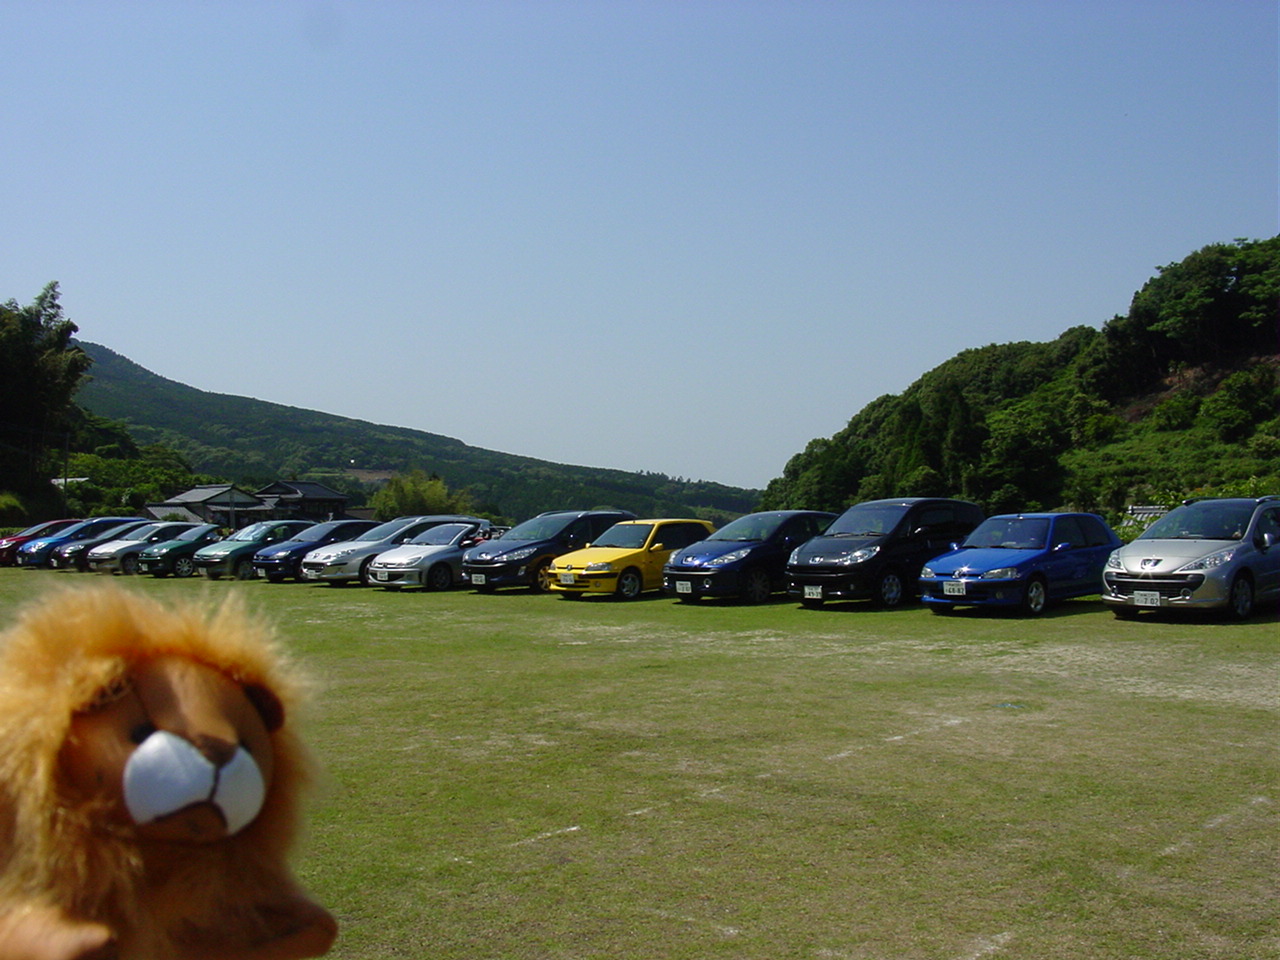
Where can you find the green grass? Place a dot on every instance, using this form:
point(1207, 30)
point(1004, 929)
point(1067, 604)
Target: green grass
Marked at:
point(515, 776)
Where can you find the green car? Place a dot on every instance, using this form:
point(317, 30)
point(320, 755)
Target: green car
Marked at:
point(174, 556)
point(233, 556)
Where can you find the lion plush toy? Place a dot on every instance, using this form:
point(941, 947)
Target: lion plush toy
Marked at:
point(150, 779)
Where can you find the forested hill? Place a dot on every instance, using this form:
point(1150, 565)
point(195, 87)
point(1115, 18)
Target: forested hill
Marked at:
point(239, 437)
point(1177, 395)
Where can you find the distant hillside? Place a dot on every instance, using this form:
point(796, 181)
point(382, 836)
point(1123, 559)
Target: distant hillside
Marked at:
point(238, 437)
point(1177, 395)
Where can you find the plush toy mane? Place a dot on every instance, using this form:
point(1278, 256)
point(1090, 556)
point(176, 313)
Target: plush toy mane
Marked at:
point(64, 652)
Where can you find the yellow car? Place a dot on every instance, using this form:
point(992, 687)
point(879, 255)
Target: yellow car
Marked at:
point(626, 559)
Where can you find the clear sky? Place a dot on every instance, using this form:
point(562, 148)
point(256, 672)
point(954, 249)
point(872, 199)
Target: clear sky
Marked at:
point(672, 235)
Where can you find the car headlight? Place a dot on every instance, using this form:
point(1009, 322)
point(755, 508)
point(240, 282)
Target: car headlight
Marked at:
point(601, 567)
point(733, 556)
point(1113, 561)
point(524, 553)
point(1001, 573)
point(927, 572)
point(859, 556)
point(795, 556)
point(1212, 560)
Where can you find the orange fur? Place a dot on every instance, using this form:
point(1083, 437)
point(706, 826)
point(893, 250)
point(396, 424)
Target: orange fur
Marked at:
point(62, 858)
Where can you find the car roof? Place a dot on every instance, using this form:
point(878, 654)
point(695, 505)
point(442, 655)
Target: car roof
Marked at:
point(665, 520)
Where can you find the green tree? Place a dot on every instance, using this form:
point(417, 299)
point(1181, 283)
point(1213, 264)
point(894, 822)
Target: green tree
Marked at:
point(417, 493)
point(40, 370)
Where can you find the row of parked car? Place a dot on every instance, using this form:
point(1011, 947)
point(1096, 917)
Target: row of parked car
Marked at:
point(1206, 554)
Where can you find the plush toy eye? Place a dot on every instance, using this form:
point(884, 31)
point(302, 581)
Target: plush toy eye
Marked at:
point(140, 733)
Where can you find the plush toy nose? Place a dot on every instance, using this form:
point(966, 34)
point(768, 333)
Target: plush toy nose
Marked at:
point(167, 774)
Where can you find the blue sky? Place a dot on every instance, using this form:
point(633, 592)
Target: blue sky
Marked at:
point(685, 237)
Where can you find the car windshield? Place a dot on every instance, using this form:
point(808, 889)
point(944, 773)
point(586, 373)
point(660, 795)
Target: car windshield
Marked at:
point(384, 531)
point(628, 536)
point(867, 520)
point(442, 534)
point(1206, 520)
point(318, 532)
point(254, 531)
point(1010, 533)
point(539, 528)
point(195, 533)
point(750, 528)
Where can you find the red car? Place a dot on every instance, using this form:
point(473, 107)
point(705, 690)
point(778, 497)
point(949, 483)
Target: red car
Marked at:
point(10, 544)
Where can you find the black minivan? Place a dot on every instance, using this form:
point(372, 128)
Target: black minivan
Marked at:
point(520, 557)
point(875, 550)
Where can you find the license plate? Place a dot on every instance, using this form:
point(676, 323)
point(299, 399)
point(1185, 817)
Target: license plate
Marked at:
point(953, 588)
point(684, 586)
point(479, 579)
point(567, 578)
point(380, 575)
point(1146, 598)
point(813, 591)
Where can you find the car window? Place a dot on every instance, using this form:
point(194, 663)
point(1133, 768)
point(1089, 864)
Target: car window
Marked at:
point(1095, 533)
point(627, 536)
point(1068, 530)
point(676, 536)
point(1269, 522)
point(935, 517)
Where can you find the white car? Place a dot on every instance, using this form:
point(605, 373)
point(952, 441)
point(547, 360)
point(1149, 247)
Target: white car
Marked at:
point(122, 555)
point(341, 563)
point(432, 559)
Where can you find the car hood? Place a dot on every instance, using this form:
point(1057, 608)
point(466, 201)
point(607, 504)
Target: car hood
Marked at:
point(707, 550)
point(225, 548)
point(500, 548)
point(349, 548)
point(578, 559)
point(978, 560)
point(1155, 556)
point(830, 549)
point(286, 548)
point(111, 547)
point(414, 553)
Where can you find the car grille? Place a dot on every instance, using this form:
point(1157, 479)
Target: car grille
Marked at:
point(1167, 585)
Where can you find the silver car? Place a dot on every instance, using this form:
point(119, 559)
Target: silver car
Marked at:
point(1205, 554)
point(122, 555)
point(349, 560)
point(432, 559)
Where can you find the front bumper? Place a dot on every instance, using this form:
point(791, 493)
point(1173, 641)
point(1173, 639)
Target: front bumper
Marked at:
point(1177, 590)
point(817, 585)
point(487, 576)
point(688, 582)
point(104, 564)
point(953, 592)
point(575, 581)
point(276, 567)
point(395, 576)
point(338, 570)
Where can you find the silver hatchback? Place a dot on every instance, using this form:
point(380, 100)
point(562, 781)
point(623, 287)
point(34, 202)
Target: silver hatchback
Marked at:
point(1205, 554)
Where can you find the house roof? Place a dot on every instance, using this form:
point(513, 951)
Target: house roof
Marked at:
point(300, 490)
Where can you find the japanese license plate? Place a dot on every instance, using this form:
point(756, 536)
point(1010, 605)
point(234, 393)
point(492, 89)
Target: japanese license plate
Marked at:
point(1146, 598)
point(684, 586)
point(567, 578)
point(813, 591)
point(479, 579)
point(380, 575)
point(953, 588)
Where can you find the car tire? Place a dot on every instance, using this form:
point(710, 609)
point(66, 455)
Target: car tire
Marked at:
point(184, 567)
point(244, 570)
point(439, 577)
point(630, 584)
point(540, 577)
point(890, 591)
point(363, 576)
point(756, 586)
point(1035, 597)
point(129, 565)
point(1240, 599)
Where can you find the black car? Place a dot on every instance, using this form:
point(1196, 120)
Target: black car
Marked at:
point(875, 550)
point(74, 554)
point(521, 557)
point(746, 558)
point(283, 560)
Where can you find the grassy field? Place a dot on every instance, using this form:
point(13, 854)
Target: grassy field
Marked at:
point(514, 776)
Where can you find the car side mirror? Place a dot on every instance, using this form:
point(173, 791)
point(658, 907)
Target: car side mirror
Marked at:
point(1058, 548)
point(656, 547)
point(1266, 541)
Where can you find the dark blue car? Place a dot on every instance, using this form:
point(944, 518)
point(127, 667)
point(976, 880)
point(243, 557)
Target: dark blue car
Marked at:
point(746, 558)
point(282, 560)
point(36, 553)
point(1025, 561)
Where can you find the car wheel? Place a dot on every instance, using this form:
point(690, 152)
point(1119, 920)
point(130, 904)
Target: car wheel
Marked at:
point(889, 592)
point(439, 577)
point(184, 567)
point(540, 578)
point(244, 570)
point(756, 587)
point(630, 584)
point(1035, 597)
point(129, 565)
point(1240, 604)
point(363, 575)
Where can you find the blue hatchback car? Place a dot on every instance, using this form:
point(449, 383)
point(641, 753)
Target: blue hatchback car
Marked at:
point(1025, 560)
point(746, 558)
point(36, 553)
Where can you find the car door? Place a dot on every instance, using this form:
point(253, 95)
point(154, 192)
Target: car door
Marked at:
point(1066, 564)
point(1267, 565)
